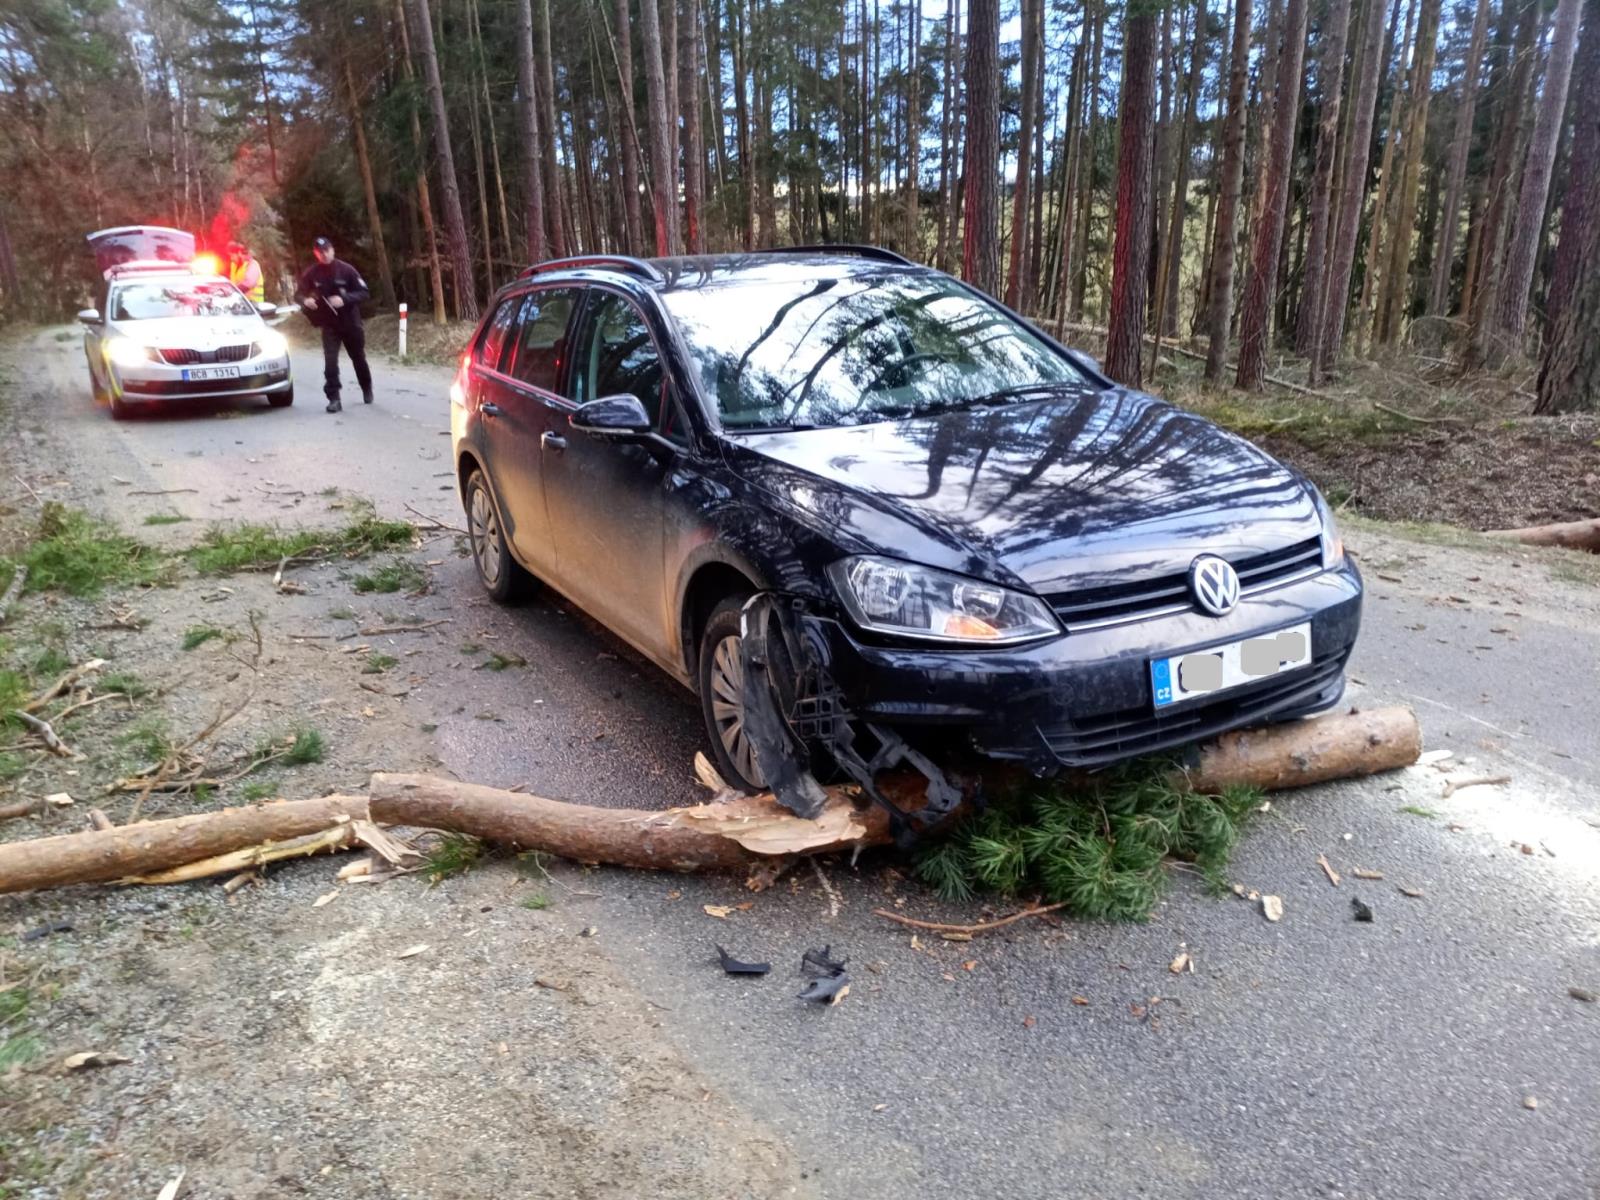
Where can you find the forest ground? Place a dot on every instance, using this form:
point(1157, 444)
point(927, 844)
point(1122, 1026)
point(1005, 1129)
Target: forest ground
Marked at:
point(568, 1033)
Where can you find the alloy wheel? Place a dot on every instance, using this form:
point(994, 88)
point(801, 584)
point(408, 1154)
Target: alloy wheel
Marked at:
point(485, 529)
point(727, 709)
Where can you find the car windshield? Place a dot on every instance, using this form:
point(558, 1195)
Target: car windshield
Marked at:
point(152, 301)
point(858, 349)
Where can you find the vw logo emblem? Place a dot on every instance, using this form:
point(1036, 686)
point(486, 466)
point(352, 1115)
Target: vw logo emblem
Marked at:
point(1215, 585)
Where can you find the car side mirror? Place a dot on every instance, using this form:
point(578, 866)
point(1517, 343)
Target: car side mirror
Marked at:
point(1087, 361)
point(267, 309)
point(89, 316)
point(613, 418)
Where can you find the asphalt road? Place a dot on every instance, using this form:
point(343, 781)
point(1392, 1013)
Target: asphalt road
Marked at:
point(1313, 1057)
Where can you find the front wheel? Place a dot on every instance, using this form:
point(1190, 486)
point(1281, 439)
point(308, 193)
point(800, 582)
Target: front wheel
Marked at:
point(281, 399)
point(500, 574)
point(721, 685)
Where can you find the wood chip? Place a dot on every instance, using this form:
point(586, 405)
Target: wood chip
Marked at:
point(1272, 908)
point(1327, 869)
point(1583, 994)
point(1414, 893)
point(413, 951)
point(92, 1058)
point(59, 799)
point(326, 898)
point(1363, 873)
point(720, 911)
point(1530, 1102)
point(169, 1190)
point(1181, 964)
point(1453, 786)
point(1081, 1001)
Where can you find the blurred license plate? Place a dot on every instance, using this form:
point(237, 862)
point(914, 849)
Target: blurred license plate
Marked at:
point(1203, 672)
point(210, 373)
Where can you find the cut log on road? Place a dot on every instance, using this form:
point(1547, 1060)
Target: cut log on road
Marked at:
point(735, 834)
point(1298, 753)
point(1569, 535)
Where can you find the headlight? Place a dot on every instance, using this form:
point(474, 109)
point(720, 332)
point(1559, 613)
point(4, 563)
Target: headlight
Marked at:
point(125, 352)
point(1332, 543)
point(272, 343)
point(888, 596)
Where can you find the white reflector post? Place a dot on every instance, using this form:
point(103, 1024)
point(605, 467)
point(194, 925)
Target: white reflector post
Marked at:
point(402, 347)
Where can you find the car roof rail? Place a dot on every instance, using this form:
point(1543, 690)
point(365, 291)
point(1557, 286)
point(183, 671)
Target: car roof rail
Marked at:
point(627, 264)
point(856, 249)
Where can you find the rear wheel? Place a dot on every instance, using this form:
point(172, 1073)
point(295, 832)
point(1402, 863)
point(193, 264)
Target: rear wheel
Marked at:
point(721, 685)
point(281, 399)
point(500, 574)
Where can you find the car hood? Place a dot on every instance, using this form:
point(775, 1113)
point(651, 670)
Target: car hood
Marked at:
point(191, 333)
point(1078, 491)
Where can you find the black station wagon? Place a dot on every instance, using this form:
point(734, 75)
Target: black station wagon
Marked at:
point(995, 549)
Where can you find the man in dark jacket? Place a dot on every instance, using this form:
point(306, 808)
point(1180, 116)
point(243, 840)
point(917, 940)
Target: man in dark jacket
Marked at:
point(331, 292)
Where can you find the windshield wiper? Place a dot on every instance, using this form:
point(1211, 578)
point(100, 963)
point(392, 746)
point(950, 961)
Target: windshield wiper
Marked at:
point(1021, 391)
point(783, 427)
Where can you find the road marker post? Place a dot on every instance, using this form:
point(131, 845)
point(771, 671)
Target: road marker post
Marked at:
point(402, 349)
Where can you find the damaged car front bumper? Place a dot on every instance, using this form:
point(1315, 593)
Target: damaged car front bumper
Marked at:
point(1085, 699)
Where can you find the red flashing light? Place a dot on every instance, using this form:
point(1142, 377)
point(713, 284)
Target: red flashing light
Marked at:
point(206, 264)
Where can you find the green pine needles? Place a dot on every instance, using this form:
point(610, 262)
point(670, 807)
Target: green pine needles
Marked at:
point(1100, 846)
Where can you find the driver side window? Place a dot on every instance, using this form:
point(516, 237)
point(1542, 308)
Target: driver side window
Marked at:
point(619, 356)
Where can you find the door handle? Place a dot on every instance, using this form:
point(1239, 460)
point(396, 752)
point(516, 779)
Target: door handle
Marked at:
point(489, 409)
point(552, 441)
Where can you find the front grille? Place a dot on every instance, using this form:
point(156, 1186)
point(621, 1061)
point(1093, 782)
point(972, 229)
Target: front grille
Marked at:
point(186, 357)
point(1111, 737)
point(1122, 602)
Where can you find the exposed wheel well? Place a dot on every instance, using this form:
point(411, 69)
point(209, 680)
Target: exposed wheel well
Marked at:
point(709, 586)
point(466, 466)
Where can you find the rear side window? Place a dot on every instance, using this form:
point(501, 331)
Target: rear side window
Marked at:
point(541, 337)
point(494, 337)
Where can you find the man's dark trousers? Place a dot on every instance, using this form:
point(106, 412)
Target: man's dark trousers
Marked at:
point(354, 340)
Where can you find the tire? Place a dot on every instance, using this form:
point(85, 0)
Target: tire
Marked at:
point(720, 686)
point(281, 399)
point(120, 409)
point(500, 574)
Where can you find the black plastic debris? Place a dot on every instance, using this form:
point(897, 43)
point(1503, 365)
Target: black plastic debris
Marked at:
point(734, 967)
point(828, 980)
point(33, 935)
point(1363, 913)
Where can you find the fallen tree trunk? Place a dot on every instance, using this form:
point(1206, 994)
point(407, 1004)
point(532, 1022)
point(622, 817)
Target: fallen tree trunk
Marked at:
point(1569, 535)
point(744, 833)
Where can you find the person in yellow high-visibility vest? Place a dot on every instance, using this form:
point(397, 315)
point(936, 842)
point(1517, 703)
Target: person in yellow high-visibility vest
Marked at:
point(245, 273)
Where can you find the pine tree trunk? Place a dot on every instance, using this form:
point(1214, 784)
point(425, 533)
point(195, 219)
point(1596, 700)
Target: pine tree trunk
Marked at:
point(1225, 238)
point(1095, 15)
point(557, 223)
point(1017, 284)
point(980, 249)
point(1068, 235)
point(1341, 266)
point(368, 191)
point(669, 65)
point(1528, 224)
point(1394, 303)
point(1460, 152)
point(1265, 110)
point(475, 127)
point(1577, 209)
point(1330, 83)
point(663, 190)
point(424, 201)
point(1130, 261)
point(741, 86)
point(941, 245)
point(1167, 280)
point(1269, 237)
point(1569, 374)
point(455, 225)
point(528, 115)
point(913, 233)
point(1373, 279)
point(1487, 345)
point(622, 48)
point(694, 153)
